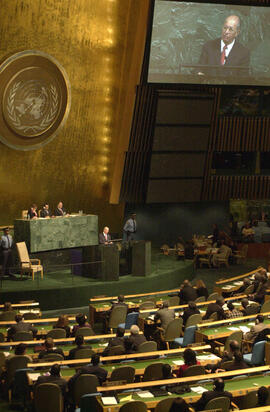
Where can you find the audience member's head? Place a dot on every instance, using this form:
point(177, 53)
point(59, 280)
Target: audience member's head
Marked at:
point(20, 349)
point(200, 283)
point(259, 319)
point(80, 319)
point(95, 359)
point(257, 277)
point(49, 343)
point(247, 282)
point(190, 357)
point(244, 303)
point(121, 298)
point(219, 384)
point(192, 305)
point(134, 330)
point(7, 307)
point(55, 370)
point(165, 304)
point(18, 318)
point(79, 340)
point(166, 371)
point(121, 331)
point(262, 396)
point(234, 346)
point(186, 283)
point(62, 321)
point(220, 301)
point(179, 405)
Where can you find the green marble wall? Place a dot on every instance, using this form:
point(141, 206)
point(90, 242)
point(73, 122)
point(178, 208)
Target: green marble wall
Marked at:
point(58, 233)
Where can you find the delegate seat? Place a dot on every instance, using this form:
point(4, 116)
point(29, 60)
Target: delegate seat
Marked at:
point(256, 357)
point(118, 315)
point(28, 265)
point(123, 373)
point(188, 338)
point(48, 397)
point(83, 385)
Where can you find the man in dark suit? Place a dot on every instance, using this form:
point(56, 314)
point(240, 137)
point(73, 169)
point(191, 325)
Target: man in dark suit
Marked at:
point(117, 341)
point(49, 349)
point(105, 237)
point(187, 293)
point(20, 326)
point(45, 211)
point(191, 310)
point(60, 210)
point(216, 307)
point(165, 315)
point(227, 55)
point(136, 338)
point(55, 378)
point(216, 393)
point(92, 369)
point(79, 341)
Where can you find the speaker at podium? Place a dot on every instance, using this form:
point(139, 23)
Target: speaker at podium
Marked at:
point(141, 258)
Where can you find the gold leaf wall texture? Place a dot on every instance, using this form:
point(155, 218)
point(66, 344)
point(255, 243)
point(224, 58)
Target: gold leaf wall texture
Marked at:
point(91, 39)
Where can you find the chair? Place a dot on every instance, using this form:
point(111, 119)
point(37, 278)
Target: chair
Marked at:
point(224, 260)
point(89, 402)
point(194, 370)
point(118, 315)
point(48, 397)
point(256, 357)
point(206, 261)
point(83, 385)
point(147, 305)
point(2, 360)
point(237, 335)
point(23, 335)
point(83, 353)
point(153, 372)
point(265, 307)
point(222, 403)
point(21, 389)
point(131, 319)
point(116, 350)
point(123, 373)
point(134, 406)
point(252, 309)
point(172, 331)
point(30, 316)
point(85, 331)
point(241, 255)
point(28, 265)
point(213, 296)
point(173, 301)
point(149, 346)
point(24, 214)
point(8, 315)
point(51, 357)
point(56, 333)
point(164, 405)
point(200, 299)
point(194, 320)
point(14, 363)
point(189, 337)
point(248, 401)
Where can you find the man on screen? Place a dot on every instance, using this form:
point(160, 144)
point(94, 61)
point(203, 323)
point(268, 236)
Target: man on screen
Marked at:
point(227, 55)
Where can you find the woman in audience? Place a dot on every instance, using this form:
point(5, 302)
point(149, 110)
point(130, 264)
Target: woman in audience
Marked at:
point(62, 323)
point(82, 323)
point(201, 289)
point(180, 405)
point(263, 395)
point(189, 359)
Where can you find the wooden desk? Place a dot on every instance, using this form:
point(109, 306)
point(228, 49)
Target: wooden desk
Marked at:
point(138, 295)
point(245, 275)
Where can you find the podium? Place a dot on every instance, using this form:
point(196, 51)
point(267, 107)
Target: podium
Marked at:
point(141, 258)
point(107, 268)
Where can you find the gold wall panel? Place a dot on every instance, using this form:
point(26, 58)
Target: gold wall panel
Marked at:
point(91, 39)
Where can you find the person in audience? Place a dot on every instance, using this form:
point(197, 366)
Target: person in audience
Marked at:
point(54, 377)
point(167, 371)
point(118, 340)
point(165, 315)
point(128, 345)
point(255, 329)
point(8, 307)
point(189, 359)
point(201, 289)
point(91, 369)
point(32, 212)
point(179, 405)
point(256, 282)
point(79, 342)
point(45, 211)
point(215, 233)
point(226, 356)
point(237, 363)
point(136, 338)
point(244, 305)
point(62, 323)
point(190, 310)
point(106, 316)
point(50, 348)
point(247, 233)
point(81, 323)
point(189, 250)
point(246, 284)
point(222, 253)
point(20, 326)
point(60, 210)
point(217, 392)
point(261, 291)
point(119, 302)
point(232, 311)
point(263, 395)
point(216, 307)
point(20, 350)
point(187, 293)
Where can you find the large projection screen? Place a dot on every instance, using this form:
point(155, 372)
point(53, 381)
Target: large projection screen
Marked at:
point(209, 43)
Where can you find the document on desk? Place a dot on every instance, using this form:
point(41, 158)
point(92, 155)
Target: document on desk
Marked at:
point(178, 362)
point(145, 394)
point(233, 328)
point(198, 389)
point(244, 329)
point(109, 400)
